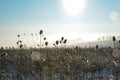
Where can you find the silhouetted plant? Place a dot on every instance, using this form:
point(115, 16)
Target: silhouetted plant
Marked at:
point(119, 44)
point(13, 47)
point(97, 46)
point(65, 41)
point(46, 44)
point(114, 39)
point(61, 41)
point(1, 48)
point(57, 42)
point(62, 38)
point(44, 41)
point(41, 32)
point(54, 45)
point(21, 46)
point(32, 35)
point(44, 38)
point(18, 35)
point(20, 41)
point(38, 45)
point(17, 42)
point(4, 54)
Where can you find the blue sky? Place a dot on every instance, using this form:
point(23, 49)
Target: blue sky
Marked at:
point(51, 11)
point(27, 16)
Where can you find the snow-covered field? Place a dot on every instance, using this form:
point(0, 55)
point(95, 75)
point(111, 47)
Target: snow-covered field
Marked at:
point(60, 64)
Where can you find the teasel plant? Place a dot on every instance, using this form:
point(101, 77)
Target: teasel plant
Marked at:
point(41, 32)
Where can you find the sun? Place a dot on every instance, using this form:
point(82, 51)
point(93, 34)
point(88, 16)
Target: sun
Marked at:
point(73, 7)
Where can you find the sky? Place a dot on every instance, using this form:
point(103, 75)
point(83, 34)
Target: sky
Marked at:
point(97, 17)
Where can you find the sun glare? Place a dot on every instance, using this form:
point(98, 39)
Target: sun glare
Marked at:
point(73, 7)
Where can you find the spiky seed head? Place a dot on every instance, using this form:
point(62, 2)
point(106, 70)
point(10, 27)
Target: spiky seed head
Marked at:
point(41, 32)
point(62, 38)
point(65, 41)
point(57, 42)
point(18, 35)
point(44, 38)
point(114, 39)
point(20, 41)
point(46, 43)
point(21, 46)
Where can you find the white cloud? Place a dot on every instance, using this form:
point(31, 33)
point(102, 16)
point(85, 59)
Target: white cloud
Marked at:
point(114, 16)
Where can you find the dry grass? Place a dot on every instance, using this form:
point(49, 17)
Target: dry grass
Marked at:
point(69, 61)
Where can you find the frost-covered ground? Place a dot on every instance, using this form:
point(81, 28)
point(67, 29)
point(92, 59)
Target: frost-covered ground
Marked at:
point(60, 64)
